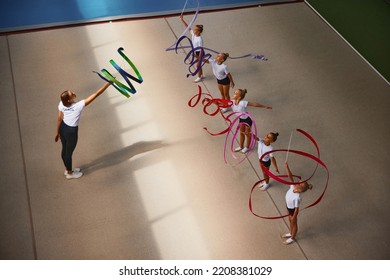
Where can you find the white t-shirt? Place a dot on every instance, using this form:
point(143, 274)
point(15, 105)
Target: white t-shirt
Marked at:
point(262, 149)
point(241, 107)
point(72, 113)
point(197, 41)
point(293, 200)
point(220, 70)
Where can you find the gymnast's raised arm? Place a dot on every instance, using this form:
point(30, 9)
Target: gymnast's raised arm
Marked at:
point(94, 95)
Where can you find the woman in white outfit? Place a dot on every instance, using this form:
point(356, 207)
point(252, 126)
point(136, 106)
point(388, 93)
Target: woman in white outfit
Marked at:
point(69, 113)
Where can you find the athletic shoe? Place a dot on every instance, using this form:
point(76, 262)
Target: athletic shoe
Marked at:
point(286, 235)
point(74, 170)
point(264, 187)
point(289, 241)
point(261, 184)
point(74, 175)
point(198, 79)
point(237, 149)
point(245, 150)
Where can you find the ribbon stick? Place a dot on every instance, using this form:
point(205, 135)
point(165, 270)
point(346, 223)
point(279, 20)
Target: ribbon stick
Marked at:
point(184, 8)
point(171, 48)
point(122, 88)
point(289, 143)
point(280, 178)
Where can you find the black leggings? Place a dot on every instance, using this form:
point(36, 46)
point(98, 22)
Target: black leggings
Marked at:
point(69, 136)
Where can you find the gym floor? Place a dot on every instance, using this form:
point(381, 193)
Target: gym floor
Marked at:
point(155, 184)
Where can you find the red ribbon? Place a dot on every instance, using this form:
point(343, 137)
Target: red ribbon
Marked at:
point(278, 178)
point(232, 119)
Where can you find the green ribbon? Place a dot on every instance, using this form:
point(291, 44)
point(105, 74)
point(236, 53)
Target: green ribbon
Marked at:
point(122, 88)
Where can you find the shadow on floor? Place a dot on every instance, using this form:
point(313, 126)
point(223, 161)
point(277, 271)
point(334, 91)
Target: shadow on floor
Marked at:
point(121, 155)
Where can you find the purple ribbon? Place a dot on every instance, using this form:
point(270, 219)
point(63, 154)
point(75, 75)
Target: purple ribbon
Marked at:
point(190, 58)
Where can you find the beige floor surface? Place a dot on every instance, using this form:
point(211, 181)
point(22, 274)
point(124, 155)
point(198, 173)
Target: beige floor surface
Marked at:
point(156, 185)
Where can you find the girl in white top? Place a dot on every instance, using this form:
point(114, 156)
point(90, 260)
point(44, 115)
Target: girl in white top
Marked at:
point(197, 41)
point(264, 146)
point(69, 113)
point(224, 78)
point(240, 106)
point(293, 200)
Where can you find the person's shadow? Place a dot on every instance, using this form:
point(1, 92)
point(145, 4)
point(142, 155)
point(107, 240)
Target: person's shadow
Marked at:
point(121, 155)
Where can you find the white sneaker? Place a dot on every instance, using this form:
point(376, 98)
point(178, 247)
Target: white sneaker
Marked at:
point(264, 187)
point(286, 235)
point(261, 184)
point(289, 241)
point(198, 79)
point(74, 175)
point(245, 150)
point(74, 170)
point(237, 149)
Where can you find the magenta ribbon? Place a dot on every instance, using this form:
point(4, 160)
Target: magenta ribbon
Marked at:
point(235, 130)
point(280, 179)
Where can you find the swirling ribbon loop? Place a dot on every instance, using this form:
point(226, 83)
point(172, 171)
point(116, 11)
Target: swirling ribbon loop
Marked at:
point(190, 57)
point(280, 179)
point(203, 56)
point(122, 88)
point(232, 119)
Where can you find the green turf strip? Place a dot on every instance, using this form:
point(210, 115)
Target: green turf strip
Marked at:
point(365, 24)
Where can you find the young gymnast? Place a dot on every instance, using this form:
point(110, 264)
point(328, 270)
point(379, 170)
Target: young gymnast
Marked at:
point(293, 200)
point(264, 146)
point(240, 106)
point(69, 113)
point(197, 41)
point(224, 78)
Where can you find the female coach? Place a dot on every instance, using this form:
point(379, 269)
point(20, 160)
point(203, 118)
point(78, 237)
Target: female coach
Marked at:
point(69, 113)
